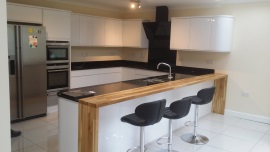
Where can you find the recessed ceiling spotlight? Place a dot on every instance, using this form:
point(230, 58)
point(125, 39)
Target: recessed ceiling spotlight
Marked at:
point(135, 4)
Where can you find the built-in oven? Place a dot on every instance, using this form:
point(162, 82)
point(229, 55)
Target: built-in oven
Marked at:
point(57, 76)
point(57, 51)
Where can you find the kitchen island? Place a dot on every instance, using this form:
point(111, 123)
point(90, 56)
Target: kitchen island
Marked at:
point(93, 124)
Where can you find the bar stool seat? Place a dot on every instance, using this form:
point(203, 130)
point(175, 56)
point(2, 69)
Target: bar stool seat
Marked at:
point(203, 97)
point(177, 110)
point(145, 114)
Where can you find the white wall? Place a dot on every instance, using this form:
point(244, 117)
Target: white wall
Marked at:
point(80, 54)
point(5, 142)
point(248, 64)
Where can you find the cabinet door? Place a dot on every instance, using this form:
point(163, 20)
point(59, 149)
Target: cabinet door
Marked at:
point(110, 32)
point(83, 81)
point(86, 31)
point(180, 33)
point(98, 31)
point(110, 78)
point(222, 32)
point(18, 13)
point(200, 33)
point(57, 24)
point(75, 30)
point(118, 33)
point(131, 34)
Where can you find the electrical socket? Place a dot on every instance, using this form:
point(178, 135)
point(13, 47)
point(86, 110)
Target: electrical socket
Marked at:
point(209, 61)
point(245, 94)
point(84, 54)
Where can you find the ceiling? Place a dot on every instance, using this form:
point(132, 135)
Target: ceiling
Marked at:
point(123, 5)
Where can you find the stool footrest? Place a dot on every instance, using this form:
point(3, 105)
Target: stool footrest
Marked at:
point(189, 124)
point(159, 143)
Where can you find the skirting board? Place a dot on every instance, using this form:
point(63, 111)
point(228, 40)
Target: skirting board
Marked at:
point(52, 109)
point(247, 116)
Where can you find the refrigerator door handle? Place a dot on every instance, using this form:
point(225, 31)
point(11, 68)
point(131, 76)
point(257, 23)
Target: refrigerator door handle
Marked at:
point(19, 69)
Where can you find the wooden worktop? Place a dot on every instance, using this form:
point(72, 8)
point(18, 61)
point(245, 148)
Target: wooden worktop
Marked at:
point(116, 97)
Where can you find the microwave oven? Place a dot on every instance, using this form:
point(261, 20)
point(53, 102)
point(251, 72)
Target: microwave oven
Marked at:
point(57, 51)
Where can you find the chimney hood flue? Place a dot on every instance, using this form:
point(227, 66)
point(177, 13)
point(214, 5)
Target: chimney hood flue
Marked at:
point(160, 29)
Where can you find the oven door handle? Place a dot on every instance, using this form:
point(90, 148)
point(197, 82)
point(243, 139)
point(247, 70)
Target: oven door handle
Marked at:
point(61, 46)
point(58, 70)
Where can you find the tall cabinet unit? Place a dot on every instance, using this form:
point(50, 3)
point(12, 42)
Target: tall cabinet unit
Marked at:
point(133, 34)
point(57, 23)
point(204, 33)
point(24, 13)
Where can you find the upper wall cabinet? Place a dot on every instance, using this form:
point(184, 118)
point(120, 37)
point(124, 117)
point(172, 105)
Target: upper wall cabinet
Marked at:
point(81, 30)
point(133, 34)
point(23, 13)
point(113, 32)
point(95, 31)
point(57, 23)
point(213, 34)
point(98, 31)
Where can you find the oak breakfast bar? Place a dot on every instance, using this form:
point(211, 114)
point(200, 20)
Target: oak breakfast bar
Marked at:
point(92, 124)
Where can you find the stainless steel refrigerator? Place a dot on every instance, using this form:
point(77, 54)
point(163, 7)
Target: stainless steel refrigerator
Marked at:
point(27, 71)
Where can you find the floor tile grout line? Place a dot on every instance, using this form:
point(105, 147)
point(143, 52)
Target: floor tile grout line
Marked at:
point(257, 142)
point(219, 148)
point(26, 146)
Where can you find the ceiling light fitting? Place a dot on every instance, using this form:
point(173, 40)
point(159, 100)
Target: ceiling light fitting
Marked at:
point(135, 4)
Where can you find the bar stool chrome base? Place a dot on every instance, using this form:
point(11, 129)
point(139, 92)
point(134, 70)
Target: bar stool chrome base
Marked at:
point(197, 140)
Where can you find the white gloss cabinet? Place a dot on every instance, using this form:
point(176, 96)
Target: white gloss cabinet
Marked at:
point(86, 30)
point(133, 34)
point(205, 33)
point(200, 33)
point(81, 30)
point(180, 33)
point(98, 31)
point(113, 32)
point(75, 30)
point(222, 33)
point(24, 13)
point(57, 23)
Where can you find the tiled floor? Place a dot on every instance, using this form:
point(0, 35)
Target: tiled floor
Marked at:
point(226, 134)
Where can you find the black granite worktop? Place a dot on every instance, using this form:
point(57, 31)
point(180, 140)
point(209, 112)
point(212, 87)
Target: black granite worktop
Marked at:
point(84, 92)
point(138, 65)
point(179, 72)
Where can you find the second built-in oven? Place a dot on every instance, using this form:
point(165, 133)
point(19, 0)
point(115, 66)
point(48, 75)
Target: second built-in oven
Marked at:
point(57, 77)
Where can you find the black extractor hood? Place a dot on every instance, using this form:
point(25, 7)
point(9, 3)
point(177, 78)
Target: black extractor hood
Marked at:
point(160, 29)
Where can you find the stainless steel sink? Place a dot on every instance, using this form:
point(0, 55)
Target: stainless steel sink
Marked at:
point(155, 80)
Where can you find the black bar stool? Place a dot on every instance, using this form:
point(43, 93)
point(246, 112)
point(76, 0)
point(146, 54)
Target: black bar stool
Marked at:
point(145, 114)
point(204, 96)
point(177, 110)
